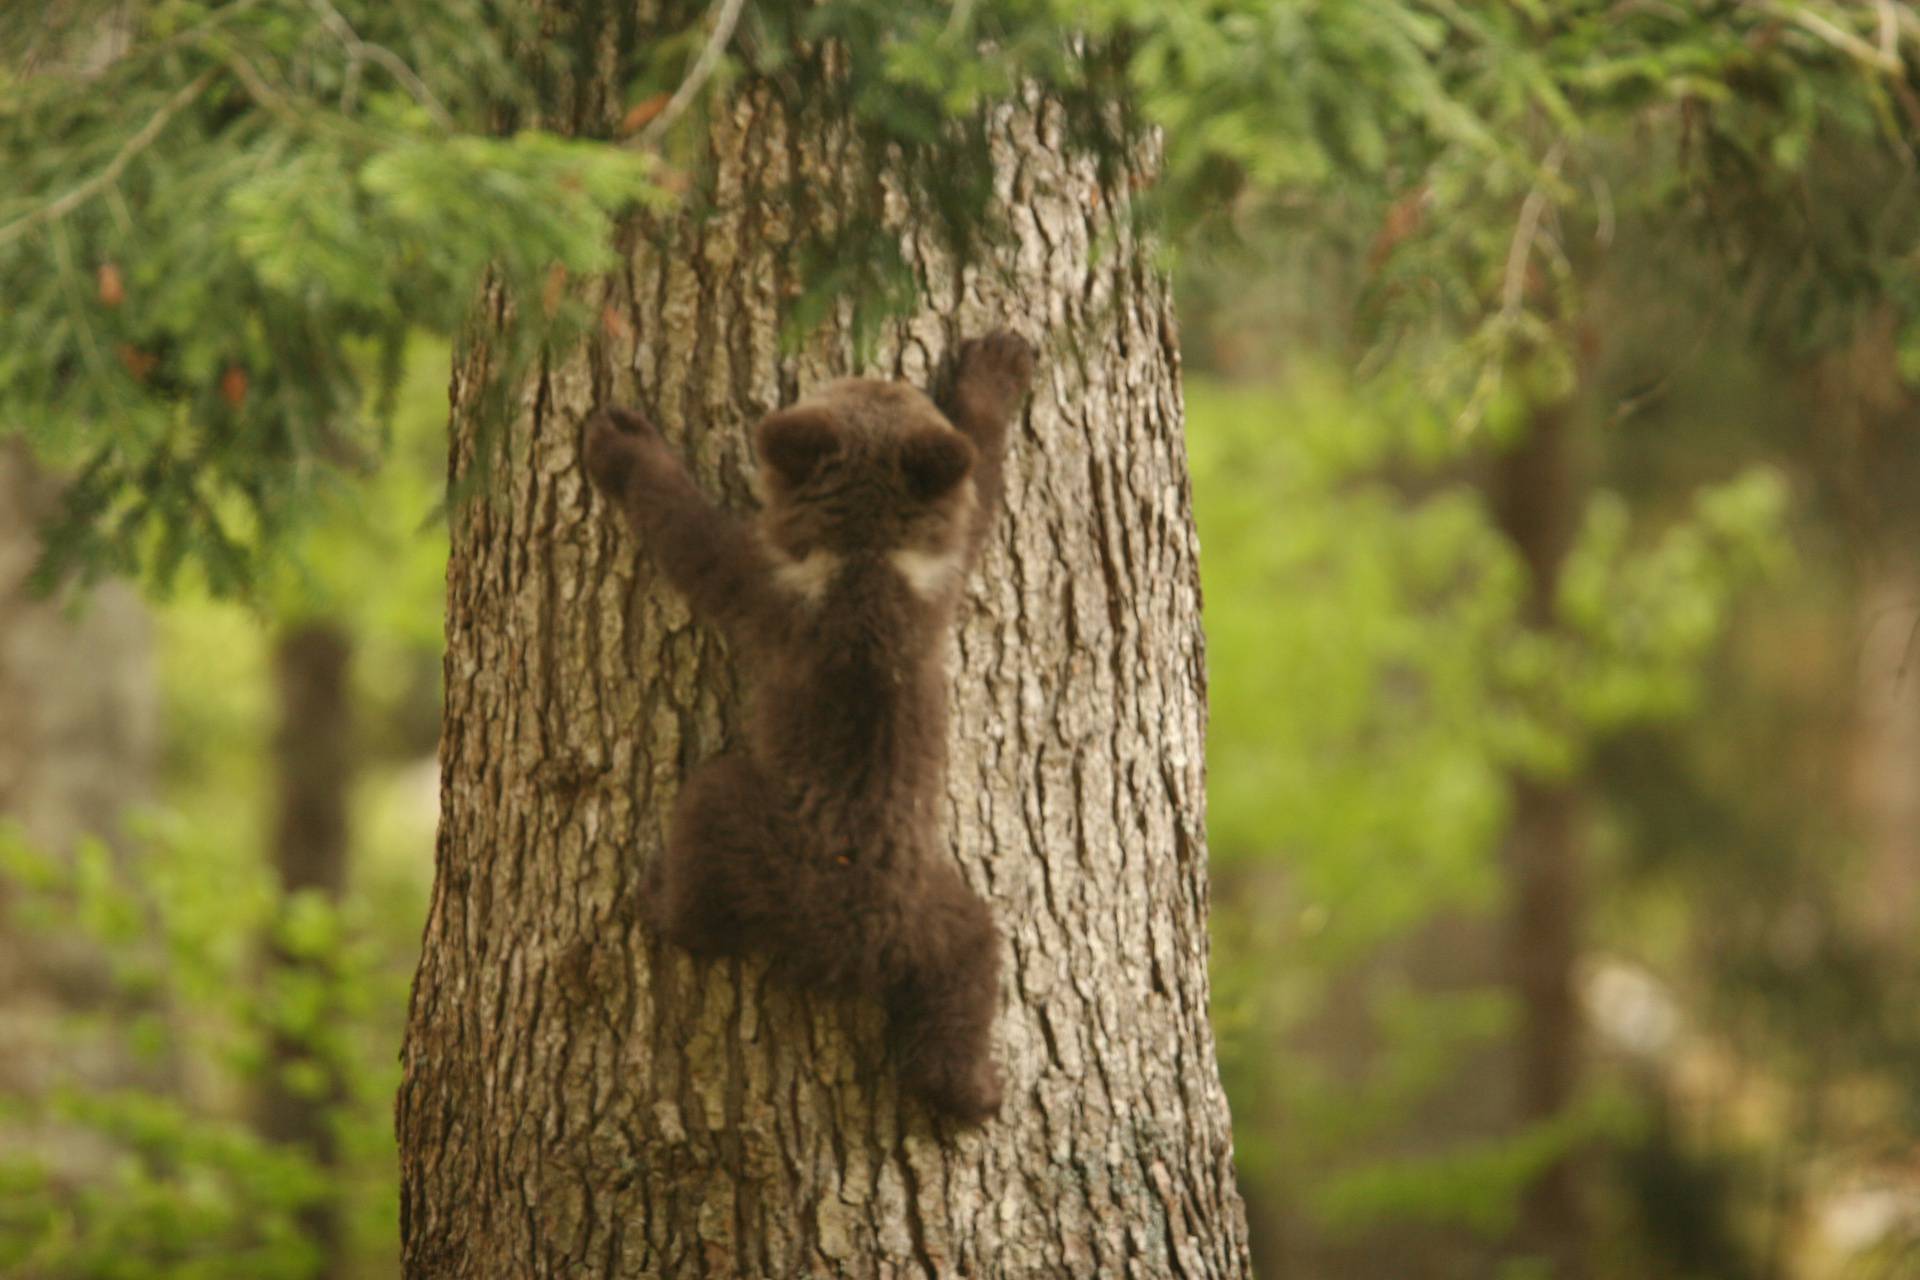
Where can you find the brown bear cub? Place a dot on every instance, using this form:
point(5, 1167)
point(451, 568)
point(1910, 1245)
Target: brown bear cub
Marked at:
point(817, 839)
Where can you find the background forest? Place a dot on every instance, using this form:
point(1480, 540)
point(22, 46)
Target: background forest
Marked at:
point(1550, 376)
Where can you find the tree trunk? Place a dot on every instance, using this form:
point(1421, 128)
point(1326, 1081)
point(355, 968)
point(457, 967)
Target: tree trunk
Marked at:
point(1886, 752)
point(314, 763)
point(1536, 500)
point(581, 1099)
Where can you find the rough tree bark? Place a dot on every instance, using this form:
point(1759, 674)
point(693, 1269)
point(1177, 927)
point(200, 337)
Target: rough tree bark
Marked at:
point(582, 1100)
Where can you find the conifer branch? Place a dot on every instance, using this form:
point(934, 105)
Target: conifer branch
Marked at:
point(726, 18)
point(61, 206)
point(337, 23)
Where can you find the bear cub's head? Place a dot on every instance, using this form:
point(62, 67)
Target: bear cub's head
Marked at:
point(864, 466)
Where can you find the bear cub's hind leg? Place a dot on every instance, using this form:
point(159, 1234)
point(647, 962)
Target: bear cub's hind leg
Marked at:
point(941, 1008)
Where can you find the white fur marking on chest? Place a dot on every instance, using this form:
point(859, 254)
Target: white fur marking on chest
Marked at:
point(808, 578)
point(927, 573)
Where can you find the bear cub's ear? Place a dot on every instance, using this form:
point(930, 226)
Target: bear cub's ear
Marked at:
point(934, 461)
point(795, 442)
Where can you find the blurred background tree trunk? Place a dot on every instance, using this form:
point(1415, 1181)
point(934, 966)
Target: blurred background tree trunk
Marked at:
point(1536, 494)
point(580, 1100)
point(78, 746)
point(313, 761)
point(1886, 755)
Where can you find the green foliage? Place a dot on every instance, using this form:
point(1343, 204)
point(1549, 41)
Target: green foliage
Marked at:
point(1452, 176)
point(1348, 642)
point(372, 555)
point(204, 229)
point(1373, 680)
point(206, 217)
point(1476, 1184)
point(181, 1197)
point(1371, 622)
point(124, 1183)
point(176, 1181)
point(219, 236)
point(1643, 621)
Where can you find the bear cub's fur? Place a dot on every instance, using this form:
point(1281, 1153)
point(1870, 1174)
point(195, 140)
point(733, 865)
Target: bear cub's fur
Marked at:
point(817, 839)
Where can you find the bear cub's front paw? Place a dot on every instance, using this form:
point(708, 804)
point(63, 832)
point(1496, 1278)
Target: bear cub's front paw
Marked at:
point(613, 443)
point(993, 371)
